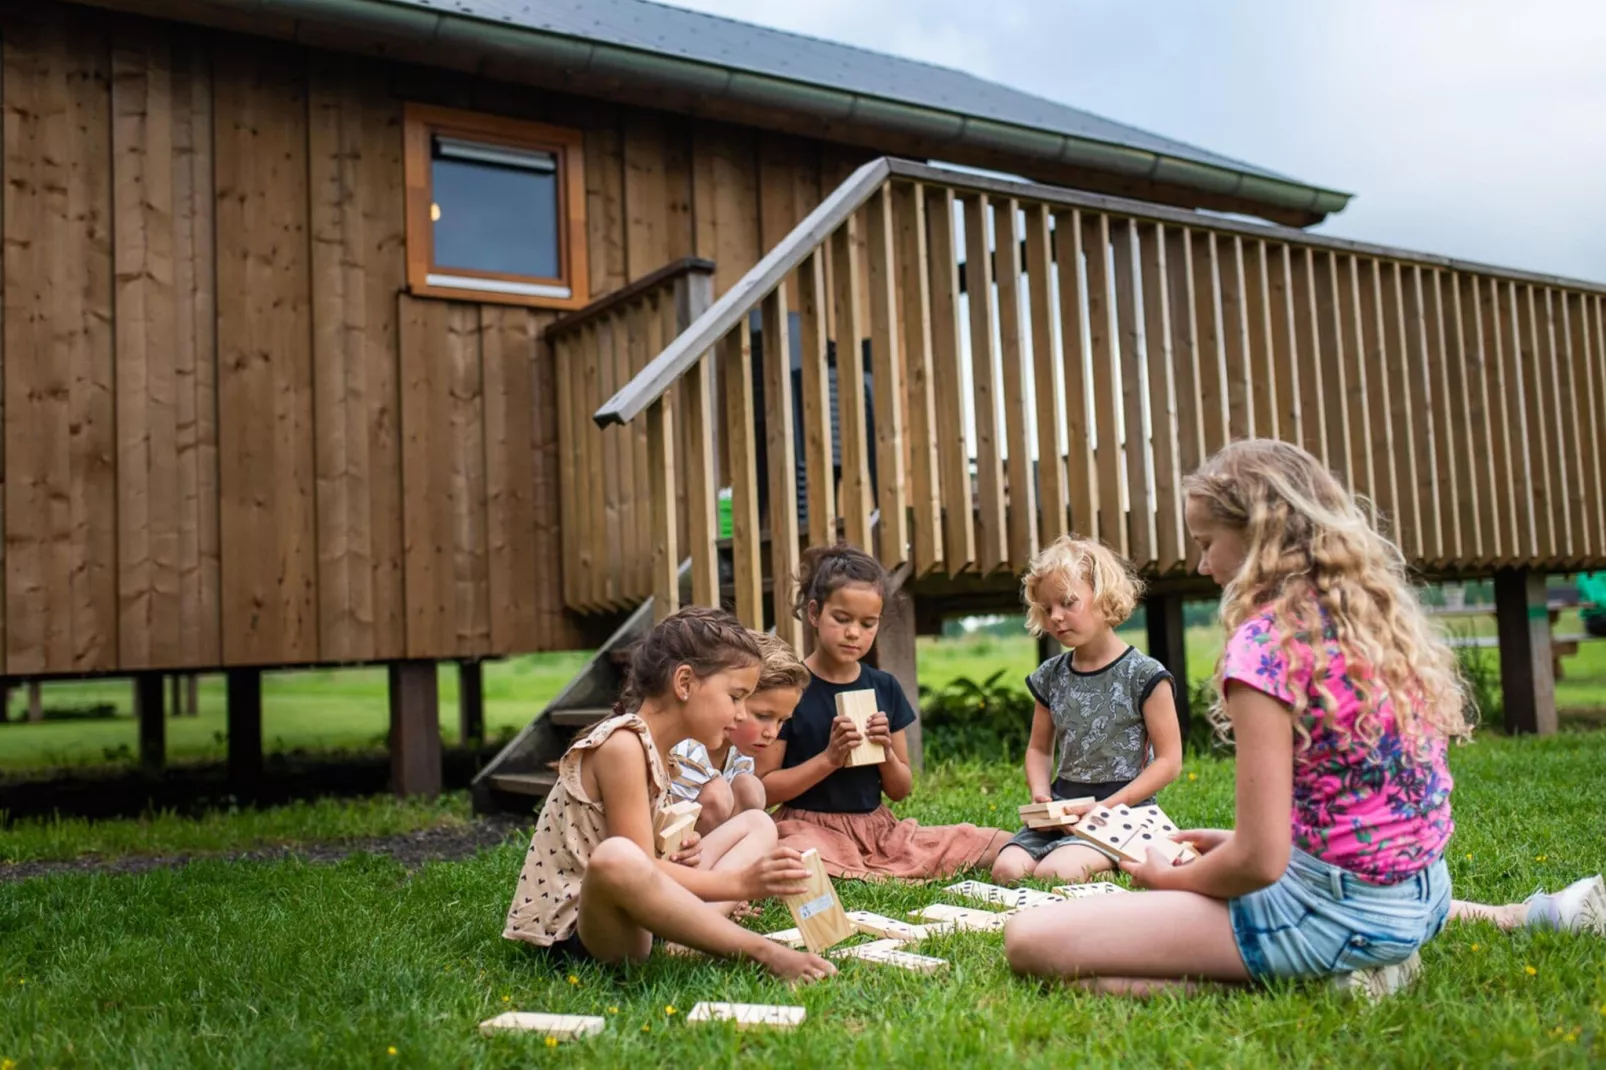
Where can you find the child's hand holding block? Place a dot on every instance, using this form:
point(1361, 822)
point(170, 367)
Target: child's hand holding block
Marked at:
point(749, 1015)
point(1055, 814)
point(818, 912)
point(859, 707)
point(672, 837)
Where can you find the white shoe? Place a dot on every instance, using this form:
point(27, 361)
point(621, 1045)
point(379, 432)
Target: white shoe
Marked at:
point(1380, 982)
point(1579, 907)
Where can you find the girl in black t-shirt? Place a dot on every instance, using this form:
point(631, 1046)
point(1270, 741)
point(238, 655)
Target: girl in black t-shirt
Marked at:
point(834, 808)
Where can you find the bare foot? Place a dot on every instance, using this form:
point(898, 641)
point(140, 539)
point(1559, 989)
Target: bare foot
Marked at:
point(799, 967)
point(744, 910)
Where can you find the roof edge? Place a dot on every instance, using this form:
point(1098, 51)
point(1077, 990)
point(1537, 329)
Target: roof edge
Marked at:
point(506, 50)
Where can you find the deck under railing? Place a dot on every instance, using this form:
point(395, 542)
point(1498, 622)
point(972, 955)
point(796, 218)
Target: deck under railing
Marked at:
point(1098, 352)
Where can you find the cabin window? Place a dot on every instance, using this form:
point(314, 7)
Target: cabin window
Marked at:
point(495, 209)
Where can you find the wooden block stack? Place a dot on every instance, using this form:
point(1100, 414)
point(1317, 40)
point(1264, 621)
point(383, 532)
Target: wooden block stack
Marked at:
point(818, 912)
point(749, 1015)
point(561, 1026)
point(1052, 815)
point(860, 706)
point(673, 824)
point(1129, 833)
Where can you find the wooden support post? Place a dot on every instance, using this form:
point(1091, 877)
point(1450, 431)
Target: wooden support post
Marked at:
point(152, 731)
point(415, 729)
point(1168, 645)
point(192, 694)
point(176, 702)
point(894, 652)
point(36, 701)
point(244, 702)
point(5, 702)
point(470, 703)
point(1527, 680)
point(1047, 648)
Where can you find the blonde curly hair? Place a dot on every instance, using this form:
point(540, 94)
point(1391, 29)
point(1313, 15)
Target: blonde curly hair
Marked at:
point(1116, 587)
point(779, 665)
point(1311, 552)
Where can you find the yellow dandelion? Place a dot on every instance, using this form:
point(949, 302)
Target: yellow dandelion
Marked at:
point(551, 1042)
point(391, 1050)
point(1603, 1008)
point(669, 1009)
point(1571, 1038)
point(1530, 971)
point(1540, 858)
point(1469, 856)
point(613, 1010)
point(573, 980)
point(507, 999)
point(8, 1064)
point(1477, 947)
point(647, 1028)
point(1193, 776)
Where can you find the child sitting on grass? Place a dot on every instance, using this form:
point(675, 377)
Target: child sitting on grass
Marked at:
point(736, 788)
point(1101, 704)
point(1341, 700)
point(591, 886)
point(825, 804)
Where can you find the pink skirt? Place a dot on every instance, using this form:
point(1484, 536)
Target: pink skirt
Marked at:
point(876, 845)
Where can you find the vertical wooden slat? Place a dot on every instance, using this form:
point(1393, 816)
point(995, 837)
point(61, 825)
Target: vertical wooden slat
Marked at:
point(1592, 521)
point(851, 431)
point(1285, 350)
point(605, 209)
point(991, 544)
point(1559, 428)
point(1050, 462)
point(608, 333)
point(701, 493)
point(645, 343)
point(1161, 413)
point(781, 457)
point(1375, 376)
point(736, 368)
point(1106, 400)
point(1237, 350)
point(1468, 439)
point(1081, 474)
point(513, 506)
point(1139, 478)
point(558, 630)
point(1327, 275)
point(1443, 459)
point(1396, 410)
point(1595, 331)
point(817, 460)
point(1419, 415)
point(1021, 520)
point(1534, 435)
point(1196, 383)
point(265, 392)
point(892, 498)
point(1210, 361)
point(149, 606)
point(1492, 311)
point(1305, 341)
point(661, 476)
point(1357, 396)
point(465, 403)
point(657, 191)
point(953, 455)
point(569, 468)
point(909, 207)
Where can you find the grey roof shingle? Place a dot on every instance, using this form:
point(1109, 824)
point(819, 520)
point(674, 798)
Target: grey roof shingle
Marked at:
point(658, 28)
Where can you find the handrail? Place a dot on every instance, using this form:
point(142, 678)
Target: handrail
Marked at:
point(686, 265)
point(667, 367)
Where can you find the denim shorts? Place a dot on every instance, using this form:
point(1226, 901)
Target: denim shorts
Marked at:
point(1319, 920)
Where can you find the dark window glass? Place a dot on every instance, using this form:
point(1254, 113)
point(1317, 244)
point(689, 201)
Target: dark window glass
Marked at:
point(495, 209)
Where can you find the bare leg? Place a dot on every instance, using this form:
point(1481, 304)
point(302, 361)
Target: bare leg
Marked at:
point(625, 899)
point(1509, 916)
point(717, 804)
point(748, 791)
point(1185, 937)
point(1013, 863)
point(1073, 864)
point(737, 844)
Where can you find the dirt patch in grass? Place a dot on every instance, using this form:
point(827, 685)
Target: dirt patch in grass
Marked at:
point(412, 849)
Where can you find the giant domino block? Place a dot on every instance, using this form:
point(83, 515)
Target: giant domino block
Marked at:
point(561, 1026)
point(749, 1015)
point(859, 707)
point(890, 953)
point(962, 919)
point(1091, 890)
point(885, 928)
point(1013, 898)
point(818, 912)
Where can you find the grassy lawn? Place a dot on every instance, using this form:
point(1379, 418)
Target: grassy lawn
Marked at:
point(346, 708)
point(361, 963)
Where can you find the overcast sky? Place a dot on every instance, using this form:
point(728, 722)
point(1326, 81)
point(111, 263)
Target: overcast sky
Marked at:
point(1470, 128)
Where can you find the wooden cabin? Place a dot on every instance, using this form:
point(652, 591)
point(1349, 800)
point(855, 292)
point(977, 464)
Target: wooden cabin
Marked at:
point(380, 331)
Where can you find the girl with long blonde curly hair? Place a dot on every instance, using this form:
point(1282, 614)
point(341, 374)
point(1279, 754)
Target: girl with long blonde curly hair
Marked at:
point(1342, 701)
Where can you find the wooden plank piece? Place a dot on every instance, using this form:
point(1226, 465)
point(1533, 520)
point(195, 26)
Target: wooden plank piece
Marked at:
point(1050, 473)
point(1105, 400)
point(1138, 507)
point(558, 1026)
point(859, 707)
point(985, 388)
point(781, 459)
point(1161, 412)
point(749, 1015)
point(1081, 474)
point(1021, 515)
point(817, 911)
point(909, 211)
point(736, 370)
point(953, 451)
point(892, 498)
point(848, 290)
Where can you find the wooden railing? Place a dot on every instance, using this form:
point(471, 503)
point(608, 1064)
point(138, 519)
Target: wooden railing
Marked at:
point(1101, 349)
point(613, 486)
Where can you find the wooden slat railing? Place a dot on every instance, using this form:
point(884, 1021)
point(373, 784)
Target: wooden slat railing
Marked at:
point(1042, 361)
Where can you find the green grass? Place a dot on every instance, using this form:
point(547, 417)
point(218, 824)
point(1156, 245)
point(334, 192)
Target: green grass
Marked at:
point(288, 964)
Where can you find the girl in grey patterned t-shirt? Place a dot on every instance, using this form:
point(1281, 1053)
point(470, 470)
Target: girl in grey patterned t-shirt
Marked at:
point(1107, 708)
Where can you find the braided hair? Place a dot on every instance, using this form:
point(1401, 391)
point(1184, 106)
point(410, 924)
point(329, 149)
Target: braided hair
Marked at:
point(824, 570)
point(707, 640)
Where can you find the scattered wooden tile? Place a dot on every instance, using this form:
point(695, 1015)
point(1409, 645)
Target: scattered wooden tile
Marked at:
point(749, 1015)
point(818, 912)
point(1089, 890)
point(962, 919)
point(789, 937)
point(562, 1026)
point(890, 953)
point(860, 706)
point(1014, 898)
point(883, 927)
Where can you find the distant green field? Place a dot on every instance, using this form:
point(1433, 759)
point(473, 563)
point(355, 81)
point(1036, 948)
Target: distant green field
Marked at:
point(347, 709)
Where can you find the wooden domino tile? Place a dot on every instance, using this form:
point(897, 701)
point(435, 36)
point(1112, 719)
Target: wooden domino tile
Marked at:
point(962, 919)
point(885, 928)
point(561, 1026)
point(860, 706)
point(1090, 890)
point(675, 811)
point(789, 937)
point(673, 836)
point(749, 1015)
point(818, 912)
point(890, 953)
point(1014, 898)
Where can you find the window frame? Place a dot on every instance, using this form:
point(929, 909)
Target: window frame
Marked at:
point(421, 123)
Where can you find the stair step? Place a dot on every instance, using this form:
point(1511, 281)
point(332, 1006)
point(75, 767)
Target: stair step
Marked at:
point(578, 718)
point(525, 783)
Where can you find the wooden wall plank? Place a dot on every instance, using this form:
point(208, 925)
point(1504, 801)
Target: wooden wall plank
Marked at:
point(991, 534)
point(1585, 351)
point(60, 445)
point(1284, 341)
point(1197, 393)
point(1423, 487)
point(1395, 411)
point(1539, 496)
point(1306, 342)
point(846, 298)
point(1510, 526)
point(725, 200)
point(1050, 482)
point(265, 393)
point(1469, 434)
point(909, 209)
point(781, 458)
point(1106, 400)
point(1210, 358)
point(1561, 429)
point(603, 335)
point(1375, 377)
point(1021, 518)
point(1595, 330)
point(1441, 457)
point(736, 368)
point(1081, 473)
point(656, 155)
point(1328, 274)
point(570, 468)
point(605, 209)
point(1165, 486)
point(358, 266)
point(1361, 315)
point(1139, 506)
point(816, 384)
point(558, 629)
point(891, 433)
point(145, 328)
point(953, 452)
point(1257, 301)
point(1237, 349)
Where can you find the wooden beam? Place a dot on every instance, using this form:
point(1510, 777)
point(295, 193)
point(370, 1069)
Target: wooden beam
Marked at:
point(415, 735)
point(1527, 676)
point(244, 712)
point(892, 499)
point(781, 459)
point(895, 653)
point(914, 335)
point(152, 726)
point(1017, 372)
point(1168, 645)
point(470, 702)
point(736, 371)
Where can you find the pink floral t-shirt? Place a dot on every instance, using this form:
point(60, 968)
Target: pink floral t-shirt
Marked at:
point(1367, 810)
